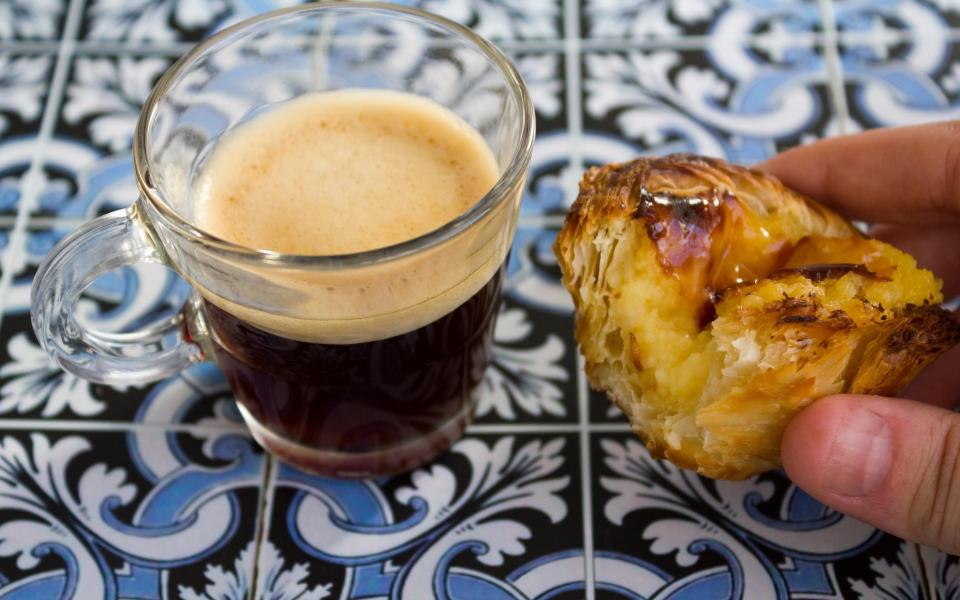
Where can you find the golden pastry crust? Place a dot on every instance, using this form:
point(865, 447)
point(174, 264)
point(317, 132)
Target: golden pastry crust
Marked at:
point(713, 303)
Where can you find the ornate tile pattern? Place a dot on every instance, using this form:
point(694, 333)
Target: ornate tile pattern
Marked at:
point(165, 504)
point(744, 102)
point(727, 19)
point(29, 20)
point(883, 18)
point(499, 516)
point(662, 530)
point(164, 21)
point(158, 492)
point(901, 80)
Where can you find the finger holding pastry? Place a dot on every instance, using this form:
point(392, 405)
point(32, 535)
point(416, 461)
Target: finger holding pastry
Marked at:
point(713, 304)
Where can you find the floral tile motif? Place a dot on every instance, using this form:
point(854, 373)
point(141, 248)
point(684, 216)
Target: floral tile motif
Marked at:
point(103, 97)
point(661, 531)
point(890, 569)
point(31, 20)
point(550, 180)
point(883, 19)
point(543, 72)
point(24, 83)
point(24, 87)
point(88, 168)
point(141, 514)
point(152, 21)
point(901, 82)
point(496, 517)
point(727, 19)
point(943, 573)
point(743, 103)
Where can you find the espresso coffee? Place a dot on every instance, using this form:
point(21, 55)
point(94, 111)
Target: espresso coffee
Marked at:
point(381, 379)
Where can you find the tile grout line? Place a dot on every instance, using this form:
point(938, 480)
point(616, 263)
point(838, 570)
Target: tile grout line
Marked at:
point(32, 180)
point(121, 47)
point(586, 475)
point(572, 76)
point(265, 515)
point(572, 45)
point(831, 58)
point(97, 425)
point(677, 42)
point(512, 428)
point(100, 425)
point(30, 46)
point(46, 222)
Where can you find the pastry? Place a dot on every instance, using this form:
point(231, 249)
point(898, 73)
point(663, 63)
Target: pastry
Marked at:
point(713, 303)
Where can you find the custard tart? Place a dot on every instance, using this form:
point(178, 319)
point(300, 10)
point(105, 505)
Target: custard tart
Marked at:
point(712, 304)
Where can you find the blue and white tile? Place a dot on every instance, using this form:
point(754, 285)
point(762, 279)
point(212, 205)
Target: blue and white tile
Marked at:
point(901, 82)
point(103, 97)
point(665, 532)
point(88, 164)
point(531, 376)
point(731, 20)
point(739, 102)
point(141, 514)
point(171, 21)
point(885, 19)
point(32, 386)
point(495, 517)
point(501, 19)
point(942, 571)
point(6, 233)
point(24, 88)
point(32, 20)
point(551, 183)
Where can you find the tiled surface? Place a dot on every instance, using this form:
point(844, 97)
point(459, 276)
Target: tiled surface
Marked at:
point(28, 20)
point(891, 81)
point(740, 101)
point(670, 19)
point(157, 491)
point(164, 21)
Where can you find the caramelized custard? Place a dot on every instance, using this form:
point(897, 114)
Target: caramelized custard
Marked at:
point(710, 242)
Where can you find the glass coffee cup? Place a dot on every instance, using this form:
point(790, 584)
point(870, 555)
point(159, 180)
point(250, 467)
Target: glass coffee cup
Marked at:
point(325, 378)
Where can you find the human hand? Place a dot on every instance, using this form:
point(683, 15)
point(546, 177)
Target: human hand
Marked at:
point(894, 463)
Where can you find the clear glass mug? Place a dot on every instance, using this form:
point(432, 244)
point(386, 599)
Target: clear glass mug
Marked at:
point(368, 388)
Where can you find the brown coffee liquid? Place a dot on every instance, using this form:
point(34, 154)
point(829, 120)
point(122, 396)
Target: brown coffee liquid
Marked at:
point(344, 172)
point(384, 406)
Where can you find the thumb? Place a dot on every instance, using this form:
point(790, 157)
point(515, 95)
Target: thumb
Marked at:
point(892, 463)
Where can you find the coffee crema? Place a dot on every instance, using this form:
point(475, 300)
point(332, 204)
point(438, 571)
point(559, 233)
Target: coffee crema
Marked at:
point(342, 172)
point(334, 173)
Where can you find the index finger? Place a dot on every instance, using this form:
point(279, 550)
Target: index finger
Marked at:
point(902, 175)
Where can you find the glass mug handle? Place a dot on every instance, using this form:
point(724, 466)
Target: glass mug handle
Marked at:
point(114, 240)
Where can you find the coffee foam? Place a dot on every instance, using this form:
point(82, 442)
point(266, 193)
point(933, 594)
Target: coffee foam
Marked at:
point(348, 171)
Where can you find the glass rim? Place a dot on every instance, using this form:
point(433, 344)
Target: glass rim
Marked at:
point(501, 191)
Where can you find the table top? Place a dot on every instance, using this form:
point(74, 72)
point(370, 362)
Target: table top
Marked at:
point(158, 491)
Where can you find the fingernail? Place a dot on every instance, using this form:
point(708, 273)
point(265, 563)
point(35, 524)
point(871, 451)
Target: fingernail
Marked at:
point(860, 454)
